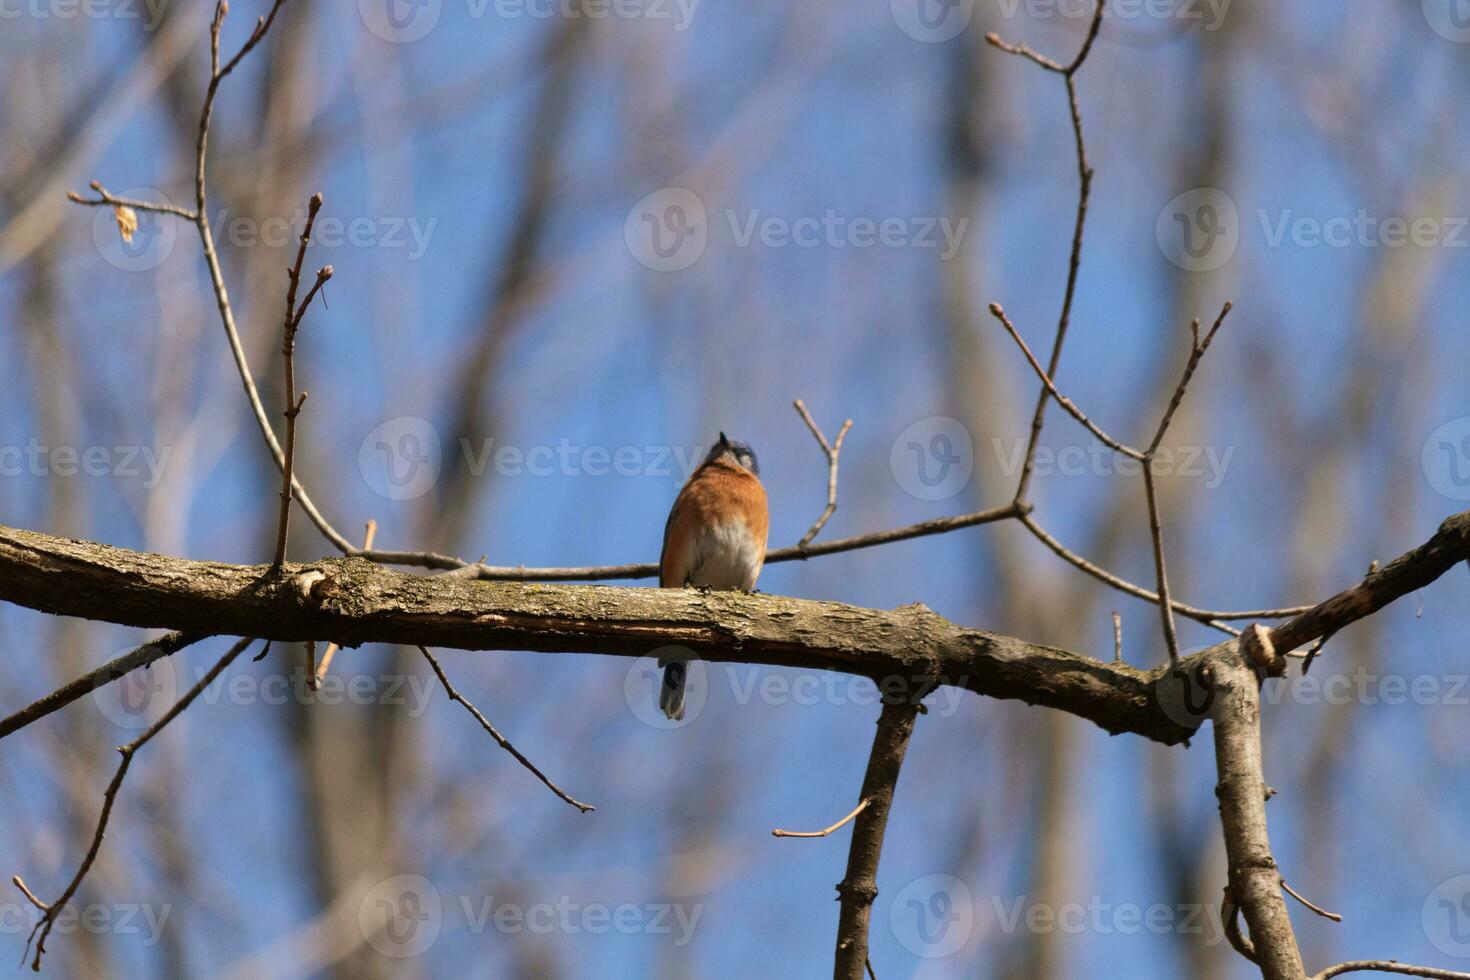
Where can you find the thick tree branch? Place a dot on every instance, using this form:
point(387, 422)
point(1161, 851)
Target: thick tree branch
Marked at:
point(1407, 573)
point(351, 601)
point(1255, 883)
point(859, 887)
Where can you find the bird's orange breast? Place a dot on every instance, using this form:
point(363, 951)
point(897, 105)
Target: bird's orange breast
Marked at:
point(717, 495)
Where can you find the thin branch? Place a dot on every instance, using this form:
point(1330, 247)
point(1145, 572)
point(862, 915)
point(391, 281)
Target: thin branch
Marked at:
point(288, 352)
point(1025, 52)
point(859, 887)
point(91, 681)
point(1156, 535)
point(262, 27)
point(1074, 261)
point(1315, 908)
point(828, 830)
point(216, 272)
point(107, 198)
point(504, 743)
point(1315, 651)
point(1196, 353)
point(1210, 617)
point(831, 452)
point(1197, 350)
point(1117, 637)
point(30, 895)
point(939, 525)
point(997, 311)
point(42, 928)
point(1389, 966)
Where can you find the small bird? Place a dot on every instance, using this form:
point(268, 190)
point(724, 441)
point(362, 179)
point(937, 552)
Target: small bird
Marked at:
point(715, 538)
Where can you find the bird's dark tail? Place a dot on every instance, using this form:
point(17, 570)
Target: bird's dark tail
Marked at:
point(671, 691)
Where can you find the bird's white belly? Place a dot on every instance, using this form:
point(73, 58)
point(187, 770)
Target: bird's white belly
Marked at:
point(726, 556)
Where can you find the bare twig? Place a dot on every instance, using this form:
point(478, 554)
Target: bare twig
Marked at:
point(1210, 617)
point(1314, 652)
point(997, 311)
point(1196, 352)
point(292, 323)
point(42, 928)
point(828, 830)
point(1025, 52)
point(859, 887)
point(504, 743)
point(30, 895)
point(216, 272)
point(1315, 908)
point(1074, 262)
point(1117, 637)
point(831, 451)
point(112, 670)
point(104, 197)
point(1390, 966)
point(939, 525)
point(1156, 535)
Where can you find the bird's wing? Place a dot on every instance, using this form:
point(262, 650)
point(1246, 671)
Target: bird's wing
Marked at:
point(678, 552)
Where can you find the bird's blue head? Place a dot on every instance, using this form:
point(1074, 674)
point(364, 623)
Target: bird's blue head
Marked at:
point(737, 452)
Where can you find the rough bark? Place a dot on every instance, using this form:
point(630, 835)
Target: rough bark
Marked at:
point(1255, 881)
point(351, 601)
point(859, 887)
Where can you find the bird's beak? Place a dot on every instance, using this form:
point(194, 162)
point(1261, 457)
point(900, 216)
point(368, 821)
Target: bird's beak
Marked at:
point(723, 441)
